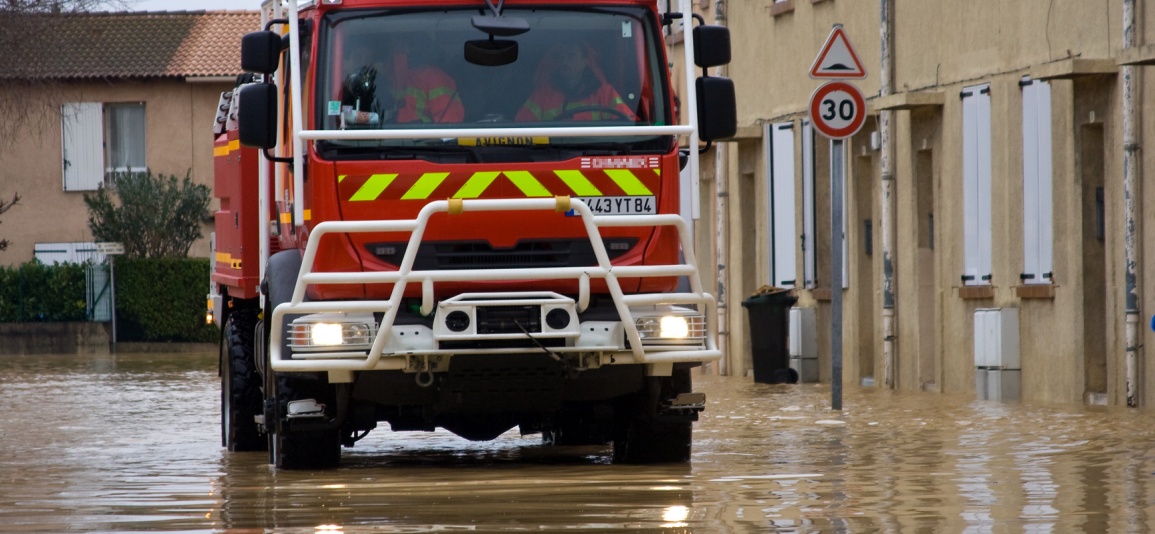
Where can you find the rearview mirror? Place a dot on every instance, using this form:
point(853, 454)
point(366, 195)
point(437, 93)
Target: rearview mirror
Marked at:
point(260, 52)
point(717, 108)
point(491, 52)
point(711, 46)
point(257, 115)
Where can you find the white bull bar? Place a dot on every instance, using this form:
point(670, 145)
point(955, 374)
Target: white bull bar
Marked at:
point(405, 274)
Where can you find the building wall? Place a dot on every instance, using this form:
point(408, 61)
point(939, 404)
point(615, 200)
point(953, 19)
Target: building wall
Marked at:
point(178, 123)
point(1072, 332)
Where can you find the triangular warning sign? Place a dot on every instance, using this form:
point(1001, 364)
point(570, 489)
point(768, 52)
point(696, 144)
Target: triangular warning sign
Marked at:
point(837, 60)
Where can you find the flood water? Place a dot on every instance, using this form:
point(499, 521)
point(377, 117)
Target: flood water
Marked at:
point(131, 443)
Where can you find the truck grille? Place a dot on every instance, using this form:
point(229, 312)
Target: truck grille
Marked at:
point(508, 319)
point(482, 255)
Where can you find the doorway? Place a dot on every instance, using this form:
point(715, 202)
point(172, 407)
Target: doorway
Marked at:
point(927, 284)
point(861, 190)
point(1091, 169)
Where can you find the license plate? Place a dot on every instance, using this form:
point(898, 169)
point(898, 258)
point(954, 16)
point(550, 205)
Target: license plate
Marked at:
point(619, 205)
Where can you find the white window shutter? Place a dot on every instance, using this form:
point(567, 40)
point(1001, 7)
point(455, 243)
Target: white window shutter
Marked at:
point(976, 106)
point(1031, 271)
point(82, 132)
point(808, 244)
point(784, 235)
point(1044, 182)
point(984, 192)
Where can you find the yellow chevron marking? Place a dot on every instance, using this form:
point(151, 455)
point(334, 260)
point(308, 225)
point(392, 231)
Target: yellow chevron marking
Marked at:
point(629, 183)
point(580, 185)
point(425, 186)
point(373, 187)
point(527, 184)
point(476, 184)
point(342, 177)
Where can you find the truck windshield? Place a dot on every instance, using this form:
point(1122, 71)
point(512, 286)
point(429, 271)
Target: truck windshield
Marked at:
point(577, 66)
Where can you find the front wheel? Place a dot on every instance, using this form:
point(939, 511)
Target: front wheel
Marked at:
point(643, 436)
point(304, 448)
point(241, 398)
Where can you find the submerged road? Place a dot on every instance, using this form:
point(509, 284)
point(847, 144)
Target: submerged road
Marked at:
point(131, 443)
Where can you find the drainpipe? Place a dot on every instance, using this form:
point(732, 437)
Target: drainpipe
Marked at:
point(1131, 206)
point(886, 200)
point(721, 218)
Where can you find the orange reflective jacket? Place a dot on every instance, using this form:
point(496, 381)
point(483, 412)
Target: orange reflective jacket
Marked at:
point(427, 94)
point(547, 103)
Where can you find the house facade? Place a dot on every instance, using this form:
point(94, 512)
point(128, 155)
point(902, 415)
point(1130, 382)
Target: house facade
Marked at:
point(115, 92)
point(994, 204)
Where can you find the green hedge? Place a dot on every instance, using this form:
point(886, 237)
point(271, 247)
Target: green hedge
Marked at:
point(163, 299)
point(156, 299)
point(35, 292)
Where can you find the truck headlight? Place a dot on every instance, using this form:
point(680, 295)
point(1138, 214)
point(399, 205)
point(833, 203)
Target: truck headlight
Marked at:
point(326, 334)
point(671, 328)
point(329, 331)
point(675, 327)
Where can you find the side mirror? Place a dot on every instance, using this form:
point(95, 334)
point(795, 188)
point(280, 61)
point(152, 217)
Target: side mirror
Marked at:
point(491, 52)
point(711, 46)
point(257, 115)
point(260, 52)
point(717, 108)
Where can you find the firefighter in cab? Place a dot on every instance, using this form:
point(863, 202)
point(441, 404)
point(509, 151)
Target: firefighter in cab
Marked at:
point(570, 86)
point(408, 94)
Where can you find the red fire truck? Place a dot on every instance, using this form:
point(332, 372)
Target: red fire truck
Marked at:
point(460, 215)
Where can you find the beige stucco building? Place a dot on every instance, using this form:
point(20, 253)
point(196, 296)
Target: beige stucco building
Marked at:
point(114, 92)
point(991, 174)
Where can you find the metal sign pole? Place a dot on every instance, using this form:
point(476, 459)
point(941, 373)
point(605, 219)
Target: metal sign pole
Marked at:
point(837, 183)
point(112, 296)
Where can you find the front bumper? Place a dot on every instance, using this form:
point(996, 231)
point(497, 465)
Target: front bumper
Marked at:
point(495, 322)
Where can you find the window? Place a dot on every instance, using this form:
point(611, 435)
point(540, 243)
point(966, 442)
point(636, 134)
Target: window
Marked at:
point(98, 139)
point(816, 234)
point(124, 137)
point(976, 110)
point(1037, 183)
point(779, 150)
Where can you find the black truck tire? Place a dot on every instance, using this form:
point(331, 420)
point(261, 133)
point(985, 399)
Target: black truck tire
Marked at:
point(241, 398)
point(305, 449)
point(291, 448)
point(642, 436)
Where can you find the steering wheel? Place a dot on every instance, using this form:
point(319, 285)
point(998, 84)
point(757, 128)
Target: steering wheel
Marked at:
point(569, 113)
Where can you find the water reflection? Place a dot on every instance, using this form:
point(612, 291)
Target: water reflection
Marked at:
point(132, 443)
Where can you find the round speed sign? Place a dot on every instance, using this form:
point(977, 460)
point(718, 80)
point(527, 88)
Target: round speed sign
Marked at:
point(837, 109)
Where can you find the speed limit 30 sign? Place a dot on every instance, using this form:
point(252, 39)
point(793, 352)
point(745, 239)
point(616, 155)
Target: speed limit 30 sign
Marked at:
point(837, 109)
